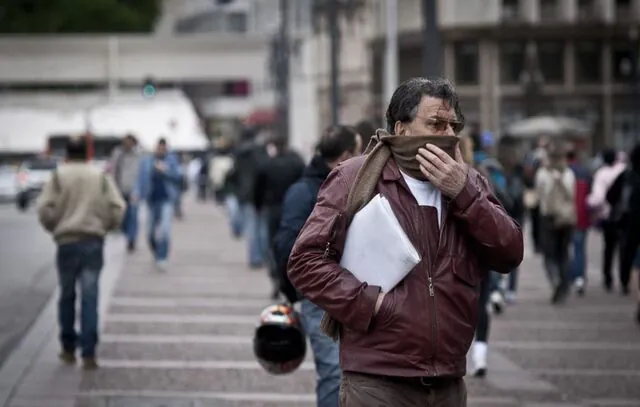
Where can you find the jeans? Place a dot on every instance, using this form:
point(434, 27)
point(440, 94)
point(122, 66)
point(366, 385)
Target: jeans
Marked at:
point(235, 214)
point(79, 264)
point(513, 281)
point(257, 235)
point(159, 223)
point(130, 221)
point(579, 261)
point(325, 356)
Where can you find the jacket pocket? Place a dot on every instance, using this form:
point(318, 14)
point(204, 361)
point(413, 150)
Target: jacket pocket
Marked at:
point(465, 271)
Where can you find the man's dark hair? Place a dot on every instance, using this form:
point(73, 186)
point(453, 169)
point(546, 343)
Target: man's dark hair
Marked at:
point(609, 156)
point(162, 141)
point(131, 138)
point(280, 142)
point(335, 141)
point(404, 103)
point(571, 155)
point(77, 148)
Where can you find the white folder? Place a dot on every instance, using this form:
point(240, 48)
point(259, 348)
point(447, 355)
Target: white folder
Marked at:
point(377, 250)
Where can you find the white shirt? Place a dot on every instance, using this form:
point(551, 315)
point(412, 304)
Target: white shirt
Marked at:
point(425, 194)
point(544, 182)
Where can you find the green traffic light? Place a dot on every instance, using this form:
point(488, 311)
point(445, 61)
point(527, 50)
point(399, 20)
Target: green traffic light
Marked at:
point(148, 90)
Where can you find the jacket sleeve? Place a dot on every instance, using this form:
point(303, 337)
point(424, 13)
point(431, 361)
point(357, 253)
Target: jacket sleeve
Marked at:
point(498, 238)
point(296, 208)
point(314, 267)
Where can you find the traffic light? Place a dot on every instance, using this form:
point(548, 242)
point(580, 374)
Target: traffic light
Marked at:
point(149, 88)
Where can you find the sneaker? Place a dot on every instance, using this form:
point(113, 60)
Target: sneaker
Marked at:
point(479, 359)
point(161, 266)
point(67, 357)
point(89, 363)
point(580, 285)
point(559, 295)
point(131, 247)
point(497, 302)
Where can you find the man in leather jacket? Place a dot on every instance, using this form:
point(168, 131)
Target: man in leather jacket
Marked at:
point(408, 346)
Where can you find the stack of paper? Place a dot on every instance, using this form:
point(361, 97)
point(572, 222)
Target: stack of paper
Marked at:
point(377, 250)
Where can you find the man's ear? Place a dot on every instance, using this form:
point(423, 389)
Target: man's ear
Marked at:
point(399, 129)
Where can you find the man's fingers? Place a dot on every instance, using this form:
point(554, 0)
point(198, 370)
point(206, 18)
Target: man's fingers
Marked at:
point(431, 157)
point(438, 152)
point(429, 167)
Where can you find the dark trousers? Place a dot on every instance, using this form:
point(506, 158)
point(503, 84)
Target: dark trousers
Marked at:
point(556, 253)
point(363, 390)
point(484, 318)
point(536, 227)
point(628, 250)
point(79, 265)
point(611, 235)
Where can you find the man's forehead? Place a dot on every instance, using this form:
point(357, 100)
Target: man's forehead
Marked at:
point(430, 106)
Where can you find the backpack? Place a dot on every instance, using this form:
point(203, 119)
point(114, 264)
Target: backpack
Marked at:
point(622, 205)
point(561, 207)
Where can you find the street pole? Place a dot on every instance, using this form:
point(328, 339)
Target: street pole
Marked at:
point(391, 55)
point(334, 34)
point(431, 42)
point(283, 70)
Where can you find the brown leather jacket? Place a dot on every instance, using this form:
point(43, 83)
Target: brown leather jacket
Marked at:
point(425, 325)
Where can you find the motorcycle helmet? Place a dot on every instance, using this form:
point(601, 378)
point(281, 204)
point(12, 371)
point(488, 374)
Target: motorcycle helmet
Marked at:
point(279, 343)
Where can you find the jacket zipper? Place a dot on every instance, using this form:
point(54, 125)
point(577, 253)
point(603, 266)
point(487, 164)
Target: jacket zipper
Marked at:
point(327, 249)
point(432, 291)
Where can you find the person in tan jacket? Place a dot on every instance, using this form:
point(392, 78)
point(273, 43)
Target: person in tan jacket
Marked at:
point(79, 206)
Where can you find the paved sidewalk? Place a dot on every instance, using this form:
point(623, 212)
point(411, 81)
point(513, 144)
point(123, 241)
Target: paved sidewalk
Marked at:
point(183, 339)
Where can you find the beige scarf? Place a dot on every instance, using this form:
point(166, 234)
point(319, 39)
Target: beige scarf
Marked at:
point(383, 146)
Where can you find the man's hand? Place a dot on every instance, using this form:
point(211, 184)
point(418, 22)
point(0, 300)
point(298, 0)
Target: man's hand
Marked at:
point(445, 173)
point(378, 303)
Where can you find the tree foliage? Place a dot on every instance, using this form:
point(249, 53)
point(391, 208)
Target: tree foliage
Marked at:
point(77, 16)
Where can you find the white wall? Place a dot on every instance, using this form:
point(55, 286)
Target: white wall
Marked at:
point(96, 58)
point(303, 115)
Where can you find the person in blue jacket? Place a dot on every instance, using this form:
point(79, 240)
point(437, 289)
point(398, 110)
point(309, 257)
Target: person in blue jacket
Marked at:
point(337, 144)
point(159, 185)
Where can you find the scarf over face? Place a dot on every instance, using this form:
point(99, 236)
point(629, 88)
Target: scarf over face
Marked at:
point(383, 146)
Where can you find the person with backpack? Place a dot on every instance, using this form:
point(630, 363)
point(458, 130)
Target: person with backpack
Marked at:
point(583, 223)
point(337, 144)
point(556, 186)
point(407, 346)
point(79, 205)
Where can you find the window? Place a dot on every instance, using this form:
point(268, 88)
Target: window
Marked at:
point(551, 61)
point(549, 10)
point(510, 10)
point(623, 10)
point(466, 63)
point(587, 10)
point(588, 61)
point(237, 22)
point(511, 61)
point(622, 63)
point(236, 89)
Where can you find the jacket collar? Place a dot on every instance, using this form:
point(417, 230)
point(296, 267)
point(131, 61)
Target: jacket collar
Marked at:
point(391, 171)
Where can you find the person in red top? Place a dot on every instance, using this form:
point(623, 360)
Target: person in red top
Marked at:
point(583, 186)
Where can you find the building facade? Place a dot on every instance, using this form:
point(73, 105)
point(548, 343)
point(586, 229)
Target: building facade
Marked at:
point(585, 52)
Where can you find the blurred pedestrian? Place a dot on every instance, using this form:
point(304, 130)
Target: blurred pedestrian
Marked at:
point(603, 179)
point(556, 188)
point(79, 205)
point(583, 223)
point(274, 178)
point(249, 156)
point(337, 144)
point(159, 185)
point(125, 165)
point(624, 198)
